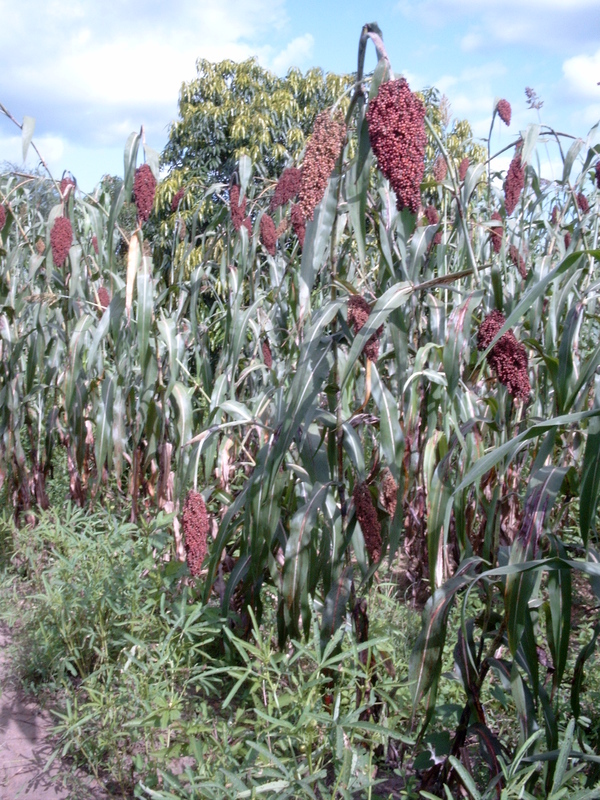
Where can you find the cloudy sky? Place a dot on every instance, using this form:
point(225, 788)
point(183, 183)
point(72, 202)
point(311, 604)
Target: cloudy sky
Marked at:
point(91, 72)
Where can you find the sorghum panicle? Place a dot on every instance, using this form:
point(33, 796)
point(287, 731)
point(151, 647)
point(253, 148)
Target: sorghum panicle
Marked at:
point(196, 525)
point(267, 355)
point(322, 151)
point(389, 493)
point(567, 240)
point(2, 217)
point(366, 515)
point(513, 183)
point(496, 232)
point(287, 187)
point(67, 185)
point(433, 218)
point(440, 169)
point(396, 119)
point(504, 111)
point(40, 247)
point(598, 174)
point(358, 313)
point(103, 297)
point(268, 234)
point(177, 198)
point(61, 239)
point(582, 203)
point(144, 189)
point(281, 228)
point(463, 168)
point(518, 260)
point(298, 223)
point(555, 213)
point(237, 209)
point(95, 243)
point(507, 358)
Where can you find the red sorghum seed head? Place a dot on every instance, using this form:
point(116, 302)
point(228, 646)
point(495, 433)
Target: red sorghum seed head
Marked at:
point(298, 223)
point(496, 232)
point(177, 198)
point(582, 203)
point(268, 234)
point(95, 243)
point(366, 515)
point(196, 525)
point(67, 185)
point(2, 217)
point(462, 168)
point(287, 187)
point(513, 183)
point(281, 228)
point(518, 260)
point(555, 213)
point(396, 119)
point(504, 111)
point(389, 492)
point(567, 240)
point(61, 239)
point(144, 189)
point(322, 151)
point(104, 297)
point(40, 247)
point(440, 169)
point(237, 209)
point(598, 174)
point(433, 218)
point(358, 313)
point(267, 355)
point(507, 358)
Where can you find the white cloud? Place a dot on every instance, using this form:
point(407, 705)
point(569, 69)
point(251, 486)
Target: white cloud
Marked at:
point(296, 54)
point(582, 74)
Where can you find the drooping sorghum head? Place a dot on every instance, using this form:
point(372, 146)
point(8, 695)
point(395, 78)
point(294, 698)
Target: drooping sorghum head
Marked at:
point(95, 243)
point(389, 493)
point(267, 355)
point(298, 223)
point(567, 240)
point(144, 189)
point(507, 358)
point(358, 313)
point(322, 151)
point(196, 525)
point(396, 119)
point(513, 183)
point(177, 198)
point(504, 111)
point(61, 239)
point(440, 169)
point(582, 203)
point(2, 216)
point(462, 168)
point(237, 209)
point(287, 187)
point(555, 213)
point(103, 297)
point(518, 260)
point(40, 247)
point(496, 232)
point(366, 515)
point(268, 233)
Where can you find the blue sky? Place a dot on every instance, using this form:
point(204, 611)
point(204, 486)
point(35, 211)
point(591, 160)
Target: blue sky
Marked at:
point(91, 72)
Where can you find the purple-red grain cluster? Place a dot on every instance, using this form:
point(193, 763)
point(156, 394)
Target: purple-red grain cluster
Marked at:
point(196, 525)
point(513, 183)
point(268, 233)
point(144, 189)
point(61, 239)
point(504, 111)
point(298, 223)
point(440, 169)
point(287, 187)
point(322, 151)
point(396, 119)
point(366, 515)
point(518, 260)
point(177, 198)
point(358, 313)
point(496, 232)
point(507, 358)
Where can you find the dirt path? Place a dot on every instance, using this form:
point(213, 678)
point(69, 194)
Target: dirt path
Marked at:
point(25, 746)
